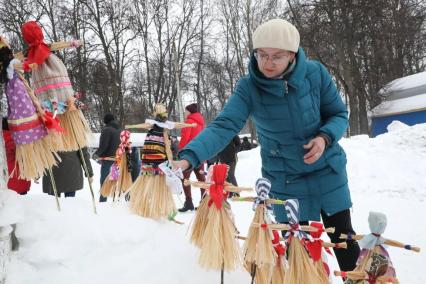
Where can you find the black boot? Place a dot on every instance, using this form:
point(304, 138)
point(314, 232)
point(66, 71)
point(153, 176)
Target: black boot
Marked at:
point(188, 206)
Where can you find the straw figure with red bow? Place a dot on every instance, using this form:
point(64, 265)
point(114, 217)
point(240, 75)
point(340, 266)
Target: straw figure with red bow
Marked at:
point(119, 179)
point(53, 87)
point(33, 130)
point(216, 236)
point(317, 250)
point(29, 124)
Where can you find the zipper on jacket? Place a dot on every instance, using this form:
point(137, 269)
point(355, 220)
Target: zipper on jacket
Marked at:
point(286, 87)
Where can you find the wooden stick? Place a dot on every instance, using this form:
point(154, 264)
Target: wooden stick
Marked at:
point(252, 199)
point(286, 227)
point(141, 126)
point(178, 125)
point(387, 241)
point(30, 92)
point(361, 275)
point(228, 187)
point(86, 170)
point(55, 190)
point(342, 245)
point(54, 46)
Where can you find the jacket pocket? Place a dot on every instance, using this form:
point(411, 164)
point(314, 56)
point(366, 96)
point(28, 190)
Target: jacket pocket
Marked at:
point(336, 158)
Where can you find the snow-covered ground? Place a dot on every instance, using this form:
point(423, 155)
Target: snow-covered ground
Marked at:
point(387, 174)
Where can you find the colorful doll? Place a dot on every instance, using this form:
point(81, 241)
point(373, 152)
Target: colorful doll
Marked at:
point(119, 180)
point(53, 87)
point(149, 195)
point(27, 121)
point(374, 264)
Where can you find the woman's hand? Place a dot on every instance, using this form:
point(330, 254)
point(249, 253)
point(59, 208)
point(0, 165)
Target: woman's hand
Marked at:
point(316, 148)
point(181, 164)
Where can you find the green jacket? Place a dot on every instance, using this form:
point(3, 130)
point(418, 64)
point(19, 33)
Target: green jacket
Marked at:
point(287, 114)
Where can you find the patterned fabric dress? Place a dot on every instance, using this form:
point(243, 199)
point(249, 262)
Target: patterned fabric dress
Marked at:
point(52, 85)
point(23, 120)
point(150, 196)
point(34, 153)
point(153, 152)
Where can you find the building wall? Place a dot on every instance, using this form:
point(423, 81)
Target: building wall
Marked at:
point(379, 124)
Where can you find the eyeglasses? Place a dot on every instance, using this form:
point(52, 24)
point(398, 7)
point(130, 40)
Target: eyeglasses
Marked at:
point(275, 59)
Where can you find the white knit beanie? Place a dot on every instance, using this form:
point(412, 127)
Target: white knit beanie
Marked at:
point(276, 33)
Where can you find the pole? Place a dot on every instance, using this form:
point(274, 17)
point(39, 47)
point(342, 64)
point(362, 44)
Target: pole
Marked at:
point(179, 95)
point(253, 272)
point(52, 180)
point(86, 171)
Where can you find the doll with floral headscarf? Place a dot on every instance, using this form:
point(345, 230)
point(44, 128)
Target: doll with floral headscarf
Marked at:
point(27, 122)
point(53, 87)
point(374, 264)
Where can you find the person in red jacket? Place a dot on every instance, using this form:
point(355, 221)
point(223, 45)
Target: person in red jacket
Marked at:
point(15, 183)
point(192, 116)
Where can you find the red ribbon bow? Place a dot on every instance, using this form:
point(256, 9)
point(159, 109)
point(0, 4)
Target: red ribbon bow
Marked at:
point(217, 189)
point(38, 51)
point(315, 247)
point(279, 248)
point(52, 123)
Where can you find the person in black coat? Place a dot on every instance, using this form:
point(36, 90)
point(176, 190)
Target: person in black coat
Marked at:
point(108, 144)
point(246, 145)
point(68, 174)
point(229, 156)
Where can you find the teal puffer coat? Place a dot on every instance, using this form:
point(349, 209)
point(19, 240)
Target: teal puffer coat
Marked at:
point(287, 113)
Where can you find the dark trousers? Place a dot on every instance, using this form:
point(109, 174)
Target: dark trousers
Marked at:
point(187, 188)
point(69, 194)
point(66, 194)
point(105, 169)
point(231, 173)
point(341, 221)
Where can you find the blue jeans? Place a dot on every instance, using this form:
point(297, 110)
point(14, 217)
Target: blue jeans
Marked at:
point(105, 168)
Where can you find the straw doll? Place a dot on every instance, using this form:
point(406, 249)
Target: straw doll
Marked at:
point(219, 248)
point(301, 269)
point(53, 86)
point(259, 253)
point(119, 180)
point(374, 264)
point(317, 250)
point(201, 215)
point(27, 121)
point(149, 195)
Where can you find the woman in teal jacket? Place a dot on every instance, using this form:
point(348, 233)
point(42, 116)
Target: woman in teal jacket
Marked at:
point(300, 117)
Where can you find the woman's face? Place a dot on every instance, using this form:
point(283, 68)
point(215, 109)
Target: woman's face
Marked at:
point(272, 62)
point(187, 113)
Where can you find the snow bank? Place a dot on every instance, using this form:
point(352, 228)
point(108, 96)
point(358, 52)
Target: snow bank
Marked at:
point(386, 174)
